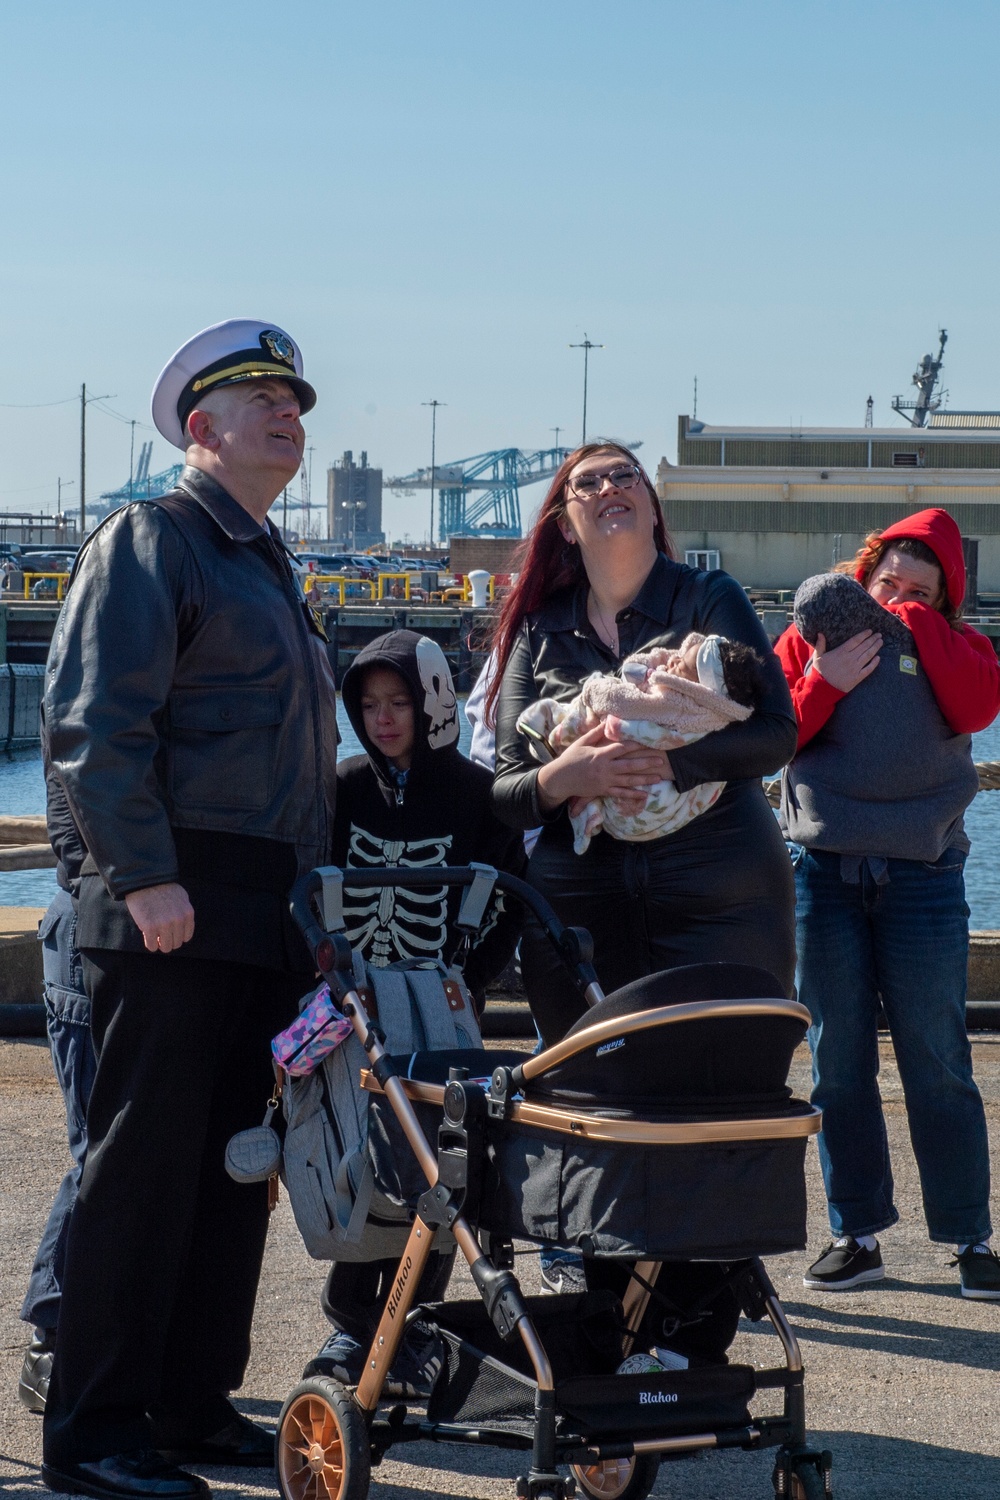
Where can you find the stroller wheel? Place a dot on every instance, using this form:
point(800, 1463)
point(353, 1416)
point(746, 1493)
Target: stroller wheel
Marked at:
point(323, 1448)
point(618, 1478)
point(807, 1484)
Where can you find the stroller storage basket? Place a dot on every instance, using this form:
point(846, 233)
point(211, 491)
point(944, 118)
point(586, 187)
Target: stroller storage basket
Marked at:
point(674, 1401)
point(485, 1384)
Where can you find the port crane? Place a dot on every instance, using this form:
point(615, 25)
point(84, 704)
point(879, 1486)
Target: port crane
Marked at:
point(482, 494)
point(143, 485)
point(146, 486)
point(925, 379)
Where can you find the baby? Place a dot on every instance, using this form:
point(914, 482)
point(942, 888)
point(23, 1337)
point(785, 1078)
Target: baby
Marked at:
point(664, 698)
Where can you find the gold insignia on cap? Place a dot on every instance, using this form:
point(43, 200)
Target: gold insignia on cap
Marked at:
point(280, 346)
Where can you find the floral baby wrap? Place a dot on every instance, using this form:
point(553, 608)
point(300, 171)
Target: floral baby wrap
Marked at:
point(648, 704)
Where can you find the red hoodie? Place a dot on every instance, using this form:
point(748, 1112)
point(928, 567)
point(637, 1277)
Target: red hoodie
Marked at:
point(961, 664)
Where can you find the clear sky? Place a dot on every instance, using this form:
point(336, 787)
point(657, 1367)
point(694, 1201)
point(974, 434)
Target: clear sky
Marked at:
point(437, 198)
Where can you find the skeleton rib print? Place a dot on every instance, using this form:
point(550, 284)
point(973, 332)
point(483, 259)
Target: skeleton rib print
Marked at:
point(395, 924)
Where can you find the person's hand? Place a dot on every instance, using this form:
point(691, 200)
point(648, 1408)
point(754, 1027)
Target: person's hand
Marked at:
point(164, 916)
point(593, 766)
point(850, 663)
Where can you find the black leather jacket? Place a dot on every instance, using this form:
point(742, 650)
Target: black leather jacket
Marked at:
point(187, 687)
point(558, 648)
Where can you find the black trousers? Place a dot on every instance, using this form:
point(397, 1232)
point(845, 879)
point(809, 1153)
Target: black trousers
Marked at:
point(164, 1249)
point(718, 890)
point(355, 1293)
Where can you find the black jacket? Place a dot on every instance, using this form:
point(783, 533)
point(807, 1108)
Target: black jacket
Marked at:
point(440, 815)
point(188, 691)
point(558, 648)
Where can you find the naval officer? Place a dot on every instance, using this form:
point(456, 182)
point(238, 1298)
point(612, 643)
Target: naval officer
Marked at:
point(191, 718)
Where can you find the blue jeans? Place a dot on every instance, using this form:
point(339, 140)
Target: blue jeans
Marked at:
point(67, 1016)
point(896, 930)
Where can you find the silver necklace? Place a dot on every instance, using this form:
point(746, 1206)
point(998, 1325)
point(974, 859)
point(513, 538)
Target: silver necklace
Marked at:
point(601, 625)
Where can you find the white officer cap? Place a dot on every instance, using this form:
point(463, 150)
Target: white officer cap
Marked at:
point(239, 349)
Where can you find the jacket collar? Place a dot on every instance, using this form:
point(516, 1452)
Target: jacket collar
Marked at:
point(568, 609)
point(238, 524)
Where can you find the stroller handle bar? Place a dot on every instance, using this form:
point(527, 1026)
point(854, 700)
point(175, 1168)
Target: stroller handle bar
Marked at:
point(573, 944)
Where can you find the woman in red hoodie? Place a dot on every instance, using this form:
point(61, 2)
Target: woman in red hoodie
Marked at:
point(872, 807)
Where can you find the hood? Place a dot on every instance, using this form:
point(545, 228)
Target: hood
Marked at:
point(937, 530)
point(424, 667)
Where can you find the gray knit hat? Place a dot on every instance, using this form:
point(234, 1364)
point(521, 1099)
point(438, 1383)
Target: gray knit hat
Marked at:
point(833, 605)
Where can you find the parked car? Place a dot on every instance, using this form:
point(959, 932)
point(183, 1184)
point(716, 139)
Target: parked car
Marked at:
point(47, 562)
point(335, 562)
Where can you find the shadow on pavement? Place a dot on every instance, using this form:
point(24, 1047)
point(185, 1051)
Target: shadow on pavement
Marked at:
point(876, 1333)
point(867, 1465)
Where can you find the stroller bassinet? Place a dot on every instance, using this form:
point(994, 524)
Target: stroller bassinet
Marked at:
point(661, 1128)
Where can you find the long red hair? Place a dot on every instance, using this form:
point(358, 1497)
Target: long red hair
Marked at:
point(544, 563)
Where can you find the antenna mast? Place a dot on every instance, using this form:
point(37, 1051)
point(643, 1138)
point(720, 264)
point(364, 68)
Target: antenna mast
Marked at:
point(925, 378)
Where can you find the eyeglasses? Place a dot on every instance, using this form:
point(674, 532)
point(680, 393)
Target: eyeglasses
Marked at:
point(624, 477)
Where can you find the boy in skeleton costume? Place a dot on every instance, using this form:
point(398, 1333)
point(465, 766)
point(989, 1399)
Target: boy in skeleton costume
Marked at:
point(665, 698)
point(412, 799)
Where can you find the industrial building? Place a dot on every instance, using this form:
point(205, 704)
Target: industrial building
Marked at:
point(354, 504)
point(773, 505)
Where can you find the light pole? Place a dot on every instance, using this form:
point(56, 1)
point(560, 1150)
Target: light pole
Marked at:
point(307, 475)
point(557, 431)
point(434, 416)
point(586, 346)
point(84, 402)
point(354, 506)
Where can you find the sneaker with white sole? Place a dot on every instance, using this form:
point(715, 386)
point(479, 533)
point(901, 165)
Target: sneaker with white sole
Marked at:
point(562, 1271)
point(979, 1271)
point(844, 1264)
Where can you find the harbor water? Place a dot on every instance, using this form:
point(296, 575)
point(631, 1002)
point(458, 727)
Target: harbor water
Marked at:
point(22, 790)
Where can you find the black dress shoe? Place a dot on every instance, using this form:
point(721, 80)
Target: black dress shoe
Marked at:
point(241, 1444)
point(126, 1476)
point(33, 1386)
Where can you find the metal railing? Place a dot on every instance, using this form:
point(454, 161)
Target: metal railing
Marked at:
point(62, 579)
point(406, 579)
point(344, 583)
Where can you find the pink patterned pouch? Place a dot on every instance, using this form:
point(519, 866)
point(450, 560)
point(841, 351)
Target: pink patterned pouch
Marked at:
point(301, 1047)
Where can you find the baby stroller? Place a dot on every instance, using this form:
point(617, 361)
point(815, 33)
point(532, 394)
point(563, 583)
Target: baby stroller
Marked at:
point(660, 1129)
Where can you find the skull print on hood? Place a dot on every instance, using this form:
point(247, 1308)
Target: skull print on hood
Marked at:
point(424, 668)
point(437, 813)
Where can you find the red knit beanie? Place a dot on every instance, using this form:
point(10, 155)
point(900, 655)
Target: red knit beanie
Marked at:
point(937, 530)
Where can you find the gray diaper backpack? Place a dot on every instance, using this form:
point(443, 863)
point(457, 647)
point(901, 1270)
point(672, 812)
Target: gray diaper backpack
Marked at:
point(340, 1213)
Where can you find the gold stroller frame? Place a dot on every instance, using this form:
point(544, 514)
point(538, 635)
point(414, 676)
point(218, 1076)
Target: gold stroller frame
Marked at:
point(328, 1441)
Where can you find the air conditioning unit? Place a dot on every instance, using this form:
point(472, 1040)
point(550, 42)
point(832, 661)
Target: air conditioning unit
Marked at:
point(704, 558)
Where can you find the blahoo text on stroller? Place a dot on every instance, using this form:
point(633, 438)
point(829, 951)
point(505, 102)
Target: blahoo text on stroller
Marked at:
point(541, 1374)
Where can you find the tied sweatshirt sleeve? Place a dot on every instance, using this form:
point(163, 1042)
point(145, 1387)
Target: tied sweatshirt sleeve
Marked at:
point(961, 666)
point(813, 698)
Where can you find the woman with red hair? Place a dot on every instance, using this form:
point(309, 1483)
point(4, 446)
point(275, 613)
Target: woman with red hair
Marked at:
point(872, 806)
point(598, 581)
